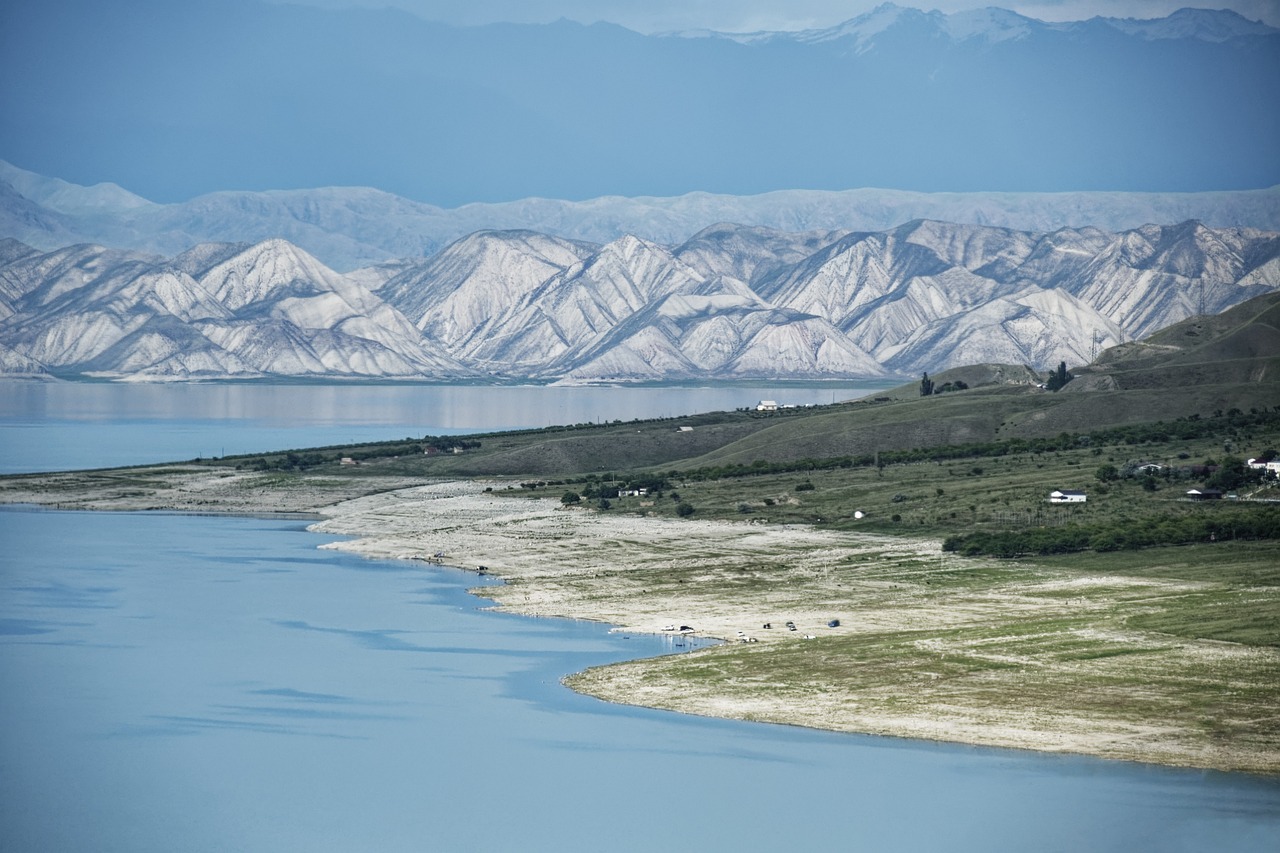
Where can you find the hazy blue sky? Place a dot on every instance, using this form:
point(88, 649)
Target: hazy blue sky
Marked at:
point(175, 98)
point(749, 15)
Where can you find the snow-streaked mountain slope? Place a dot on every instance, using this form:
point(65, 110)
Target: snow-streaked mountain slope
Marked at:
point(1032, 327)
point(749, 253)
point(880, 288)
point(720, 329)
point(15, 364)
point(68, 198)
point(574, 309)
point(462, 293)
point(1212, 25)
point(734, 302)
point(218, 310)
point(1151, 277)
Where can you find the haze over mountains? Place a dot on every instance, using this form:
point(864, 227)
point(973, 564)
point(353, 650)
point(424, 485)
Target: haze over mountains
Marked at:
point(732, 302)
point(174, 100)
point(351, 227)
point(1081, 136)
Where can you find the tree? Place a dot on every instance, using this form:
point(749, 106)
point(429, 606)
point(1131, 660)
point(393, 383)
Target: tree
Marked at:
point(926, 386)
point(570, 498)
point(684, 509)
point(1232, 473)
point(1107, 473)
point(1058, 378)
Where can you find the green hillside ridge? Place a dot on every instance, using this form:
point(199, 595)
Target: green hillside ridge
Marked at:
point(1202, 366)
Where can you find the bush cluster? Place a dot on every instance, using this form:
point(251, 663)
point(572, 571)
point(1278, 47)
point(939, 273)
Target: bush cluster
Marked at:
point(1160, 431)
point(296, 460)
point(1232, 522)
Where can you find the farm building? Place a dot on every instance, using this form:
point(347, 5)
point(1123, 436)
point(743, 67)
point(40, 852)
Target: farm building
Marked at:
point(1204, 494)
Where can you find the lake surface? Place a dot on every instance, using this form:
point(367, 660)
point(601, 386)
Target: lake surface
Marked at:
point(178, 682)
point(68, 426)
point(193, 683)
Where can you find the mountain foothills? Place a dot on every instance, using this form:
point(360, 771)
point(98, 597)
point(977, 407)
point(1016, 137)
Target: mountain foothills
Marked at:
point(731, 302)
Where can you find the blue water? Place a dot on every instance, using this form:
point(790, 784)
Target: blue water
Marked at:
point(70, 426)
point(191, 683)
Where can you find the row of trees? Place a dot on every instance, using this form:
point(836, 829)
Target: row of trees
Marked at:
point(301, 460)
point(1057, 379)
point(928, 388)
point(1161, 431)
point(1231, 522)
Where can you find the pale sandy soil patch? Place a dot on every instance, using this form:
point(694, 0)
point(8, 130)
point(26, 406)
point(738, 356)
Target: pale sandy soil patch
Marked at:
point(919, 651)
point(929, 645)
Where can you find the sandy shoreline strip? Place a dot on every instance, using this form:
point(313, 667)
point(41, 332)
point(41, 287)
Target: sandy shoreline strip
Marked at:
point(581, 564)
point(929, 645)
point(728, 579)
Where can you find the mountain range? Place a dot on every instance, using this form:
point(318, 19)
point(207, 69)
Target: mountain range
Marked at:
point(175, 100)
point(731, 302)
point(351, 227)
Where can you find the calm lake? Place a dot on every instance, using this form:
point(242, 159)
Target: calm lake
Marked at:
point(69, 426)
point(194, 683)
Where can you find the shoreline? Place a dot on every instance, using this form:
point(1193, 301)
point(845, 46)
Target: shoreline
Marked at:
point(929, 645)
point(582, 564)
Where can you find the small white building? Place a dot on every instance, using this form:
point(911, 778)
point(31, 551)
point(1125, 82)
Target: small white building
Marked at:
point(767, 406)
point(1067, 496)
point(1272, 467)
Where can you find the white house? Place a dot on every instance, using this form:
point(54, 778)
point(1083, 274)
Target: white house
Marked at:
point(1067, 496)
point(767, 406)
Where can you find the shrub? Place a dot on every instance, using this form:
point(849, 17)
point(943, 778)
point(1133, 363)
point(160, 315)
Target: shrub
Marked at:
point(684, 509)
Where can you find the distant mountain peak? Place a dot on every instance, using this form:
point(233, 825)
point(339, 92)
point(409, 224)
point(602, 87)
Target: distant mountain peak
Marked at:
point(994, 24)
point(63, 197)
point(990, 23)
point(1214, 25)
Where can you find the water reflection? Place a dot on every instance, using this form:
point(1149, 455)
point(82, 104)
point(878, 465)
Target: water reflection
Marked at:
point(328, 707)
point(62, 426)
